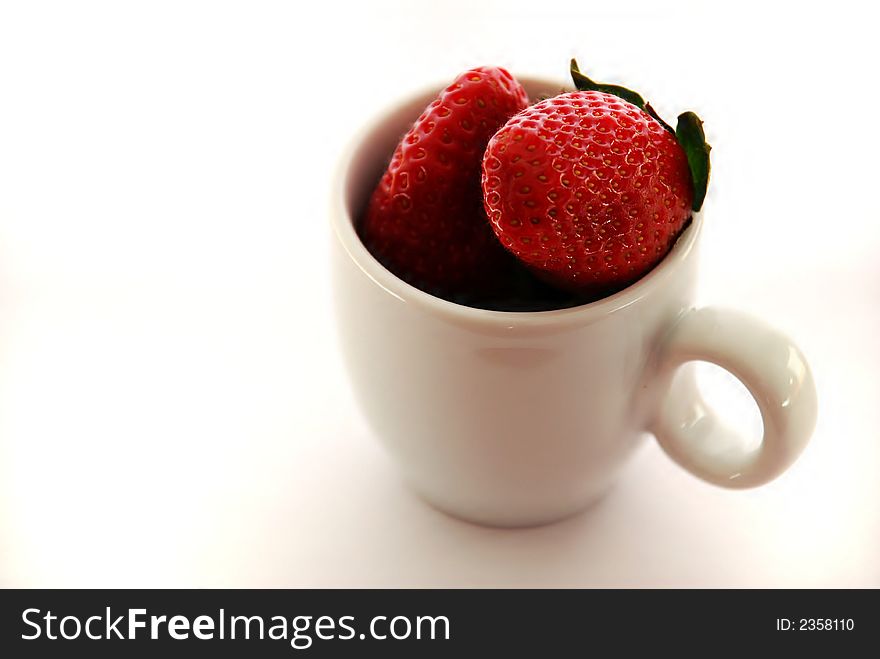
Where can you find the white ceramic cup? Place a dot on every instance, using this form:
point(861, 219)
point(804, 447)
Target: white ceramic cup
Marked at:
point(522, 418)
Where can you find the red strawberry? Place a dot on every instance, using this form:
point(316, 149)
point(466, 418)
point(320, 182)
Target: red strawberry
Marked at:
point(590, 190)
point(425, 220)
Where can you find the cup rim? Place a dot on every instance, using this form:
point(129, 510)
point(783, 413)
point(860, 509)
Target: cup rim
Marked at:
point(343, 224)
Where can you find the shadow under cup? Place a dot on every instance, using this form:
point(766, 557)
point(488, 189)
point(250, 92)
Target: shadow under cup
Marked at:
point(502, 418)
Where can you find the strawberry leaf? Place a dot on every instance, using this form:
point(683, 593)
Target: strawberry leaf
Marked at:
point(690, 135)
point(584, 84)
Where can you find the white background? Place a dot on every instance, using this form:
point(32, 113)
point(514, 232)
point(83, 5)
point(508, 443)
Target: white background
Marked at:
point(173, 409)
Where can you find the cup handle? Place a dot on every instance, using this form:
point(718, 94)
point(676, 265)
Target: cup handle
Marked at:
point(770, 366)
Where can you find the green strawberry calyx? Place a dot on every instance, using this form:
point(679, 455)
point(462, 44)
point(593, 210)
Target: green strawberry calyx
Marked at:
point(688, 131)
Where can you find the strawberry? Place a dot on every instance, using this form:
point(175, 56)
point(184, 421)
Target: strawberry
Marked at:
point(425, 221)
point(591, 188)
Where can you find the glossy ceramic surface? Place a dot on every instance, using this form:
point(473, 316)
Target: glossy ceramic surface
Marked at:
point(516, 419)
